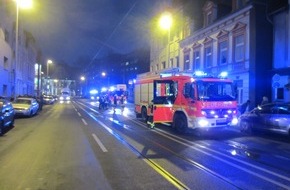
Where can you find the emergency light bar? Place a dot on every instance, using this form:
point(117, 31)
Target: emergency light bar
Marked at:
point(200, 74)
point(223, 74)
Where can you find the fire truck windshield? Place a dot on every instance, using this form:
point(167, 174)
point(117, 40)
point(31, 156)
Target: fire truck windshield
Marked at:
point(215, 91)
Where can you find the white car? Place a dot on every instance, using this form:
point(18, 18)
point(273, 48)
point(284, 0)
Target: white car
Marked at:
point(65, 96)
point(25, 106)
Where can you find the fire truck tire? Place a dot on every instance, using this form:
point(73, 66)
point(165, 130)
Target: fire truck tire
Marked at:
point(144, 114)
point(180, 123)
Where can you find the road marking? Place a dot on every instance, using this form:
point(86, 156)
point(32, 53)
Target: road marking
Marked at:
point(169, 177)
point(79, 114)
point(84, 121)
point(99, 143)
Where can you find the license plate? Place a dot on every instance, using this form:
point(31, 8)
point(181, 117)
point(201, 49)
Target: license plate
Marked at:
point(221, 120)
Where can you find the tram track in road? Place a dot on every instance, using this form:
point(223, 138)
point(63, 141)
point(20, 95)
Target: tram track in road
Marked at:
point(169, 177)
point(151, 162)
point(279, 180)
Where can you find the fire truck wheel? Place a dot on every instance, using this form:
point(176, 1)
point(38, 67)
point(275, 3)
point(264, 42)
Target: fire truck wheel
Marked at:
point(180, 123)
point(144, 114)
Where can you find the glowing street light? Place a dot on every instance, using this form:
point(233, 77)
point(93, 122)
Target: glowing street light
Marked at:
point(165, 23)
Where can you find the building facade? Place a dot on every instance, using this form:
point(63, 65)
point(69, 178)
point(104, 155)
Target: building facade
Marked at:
point(281, 54)
point(17, 77)
point(235, 36)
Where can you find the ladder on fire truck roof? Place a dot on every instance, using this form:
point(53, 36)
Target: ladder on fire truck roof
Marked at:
point(173, 72)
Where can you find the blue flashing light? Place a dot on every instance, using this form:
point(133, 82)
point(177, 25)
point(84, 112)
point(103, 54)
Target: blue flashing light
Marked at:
point(104, 89)
point(200, 74)
point(112, 88)
point(223, 74)
point(93, 91)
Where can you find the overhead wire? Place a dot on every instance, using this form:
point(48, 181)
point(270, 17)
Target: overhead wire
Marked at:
point(112, 33)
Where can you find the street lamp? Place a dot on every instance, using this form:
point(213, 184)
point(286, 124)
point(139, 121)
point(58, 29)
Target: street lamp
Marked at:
point(83, 79)
point(25, 4)
point(104, 74)
point(165, 23)
point(47, 76)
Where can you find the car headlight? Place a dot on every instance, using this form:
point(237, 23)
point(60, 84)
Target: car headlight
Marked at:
point(203, 122)
point(235, 121)
point(61, 98)
point(67, 98)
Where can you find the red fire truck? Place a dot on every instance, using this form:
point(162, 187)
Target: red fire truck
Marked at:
point(185, 100)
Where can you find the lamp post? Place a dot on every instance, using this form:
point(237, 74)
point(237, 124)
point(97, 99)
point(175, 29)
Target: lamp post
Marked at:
point(19, 4)
point(82, 79)
point(165, 23)
point(104, 74)
point(47, 76)
point(47, 67)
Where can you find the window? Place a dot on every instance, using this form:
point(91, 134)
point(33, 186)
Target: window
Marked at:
point(209, 19)
point(163, 65)
point(177, 61)
point(186, 62)
point(196, 60)
point(157, 67)
point(6, 33)
point(5, 63)
point(223, 52)
point(238, 4)
point(171, 62)
point(239, 51)
point(208, 57)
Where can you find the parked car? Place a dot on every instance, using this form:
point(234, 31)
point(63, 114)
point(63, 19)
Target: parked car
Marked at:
point(25, 106)
point(7, 115)
point(47, 99)
point(273, 117)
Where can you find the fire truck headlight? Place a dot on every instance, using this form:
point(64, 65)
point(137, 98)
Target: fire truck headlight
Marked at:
point(203, 113)
point(92, 97)
point(235, 121)
point(202, 123)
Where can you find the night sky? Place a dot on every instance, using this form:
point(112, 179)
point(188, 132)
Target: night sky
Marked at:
point(71, 30)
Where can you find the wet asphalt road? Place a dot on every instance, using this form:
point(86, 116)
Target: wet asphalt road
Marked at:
point(78, 146)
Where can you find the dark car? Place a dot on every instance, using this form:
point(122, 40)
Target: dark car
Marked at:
point(7, 115)
point(273, 117)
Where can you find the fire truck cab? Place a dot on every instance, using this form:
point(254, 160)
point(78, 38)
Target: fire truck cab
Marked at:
point(186, 100)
